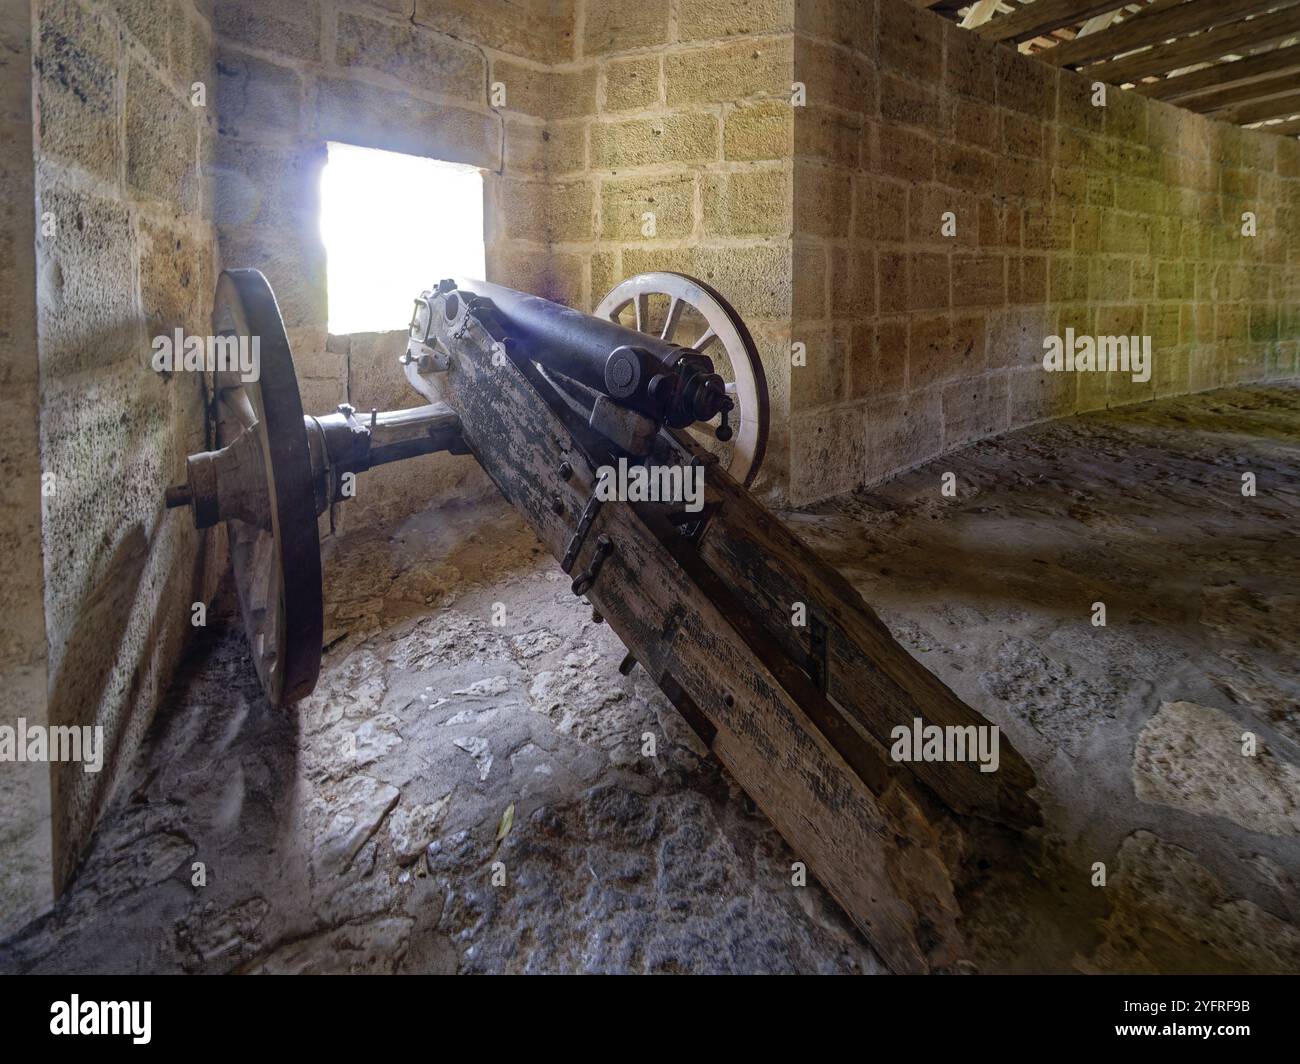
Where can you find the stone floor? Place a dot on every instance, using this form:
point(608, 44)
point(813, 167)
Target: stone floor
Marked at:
point(442, 751)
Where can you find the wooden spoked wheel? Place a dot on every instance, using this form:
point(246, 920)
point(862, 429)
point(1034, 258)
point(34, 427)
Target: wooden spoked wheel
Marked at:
point(277, 568)
point(686, 311)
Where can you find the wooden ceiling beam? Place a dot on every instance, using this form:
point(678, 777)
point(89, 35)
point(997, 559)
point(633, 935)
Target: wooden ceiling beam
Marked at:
point(1043, 16)
point(1159, 22)
point(1222, 75)
point(1255, 90)
point(1204, 47)
point(1283, 129)
point(1276, 107)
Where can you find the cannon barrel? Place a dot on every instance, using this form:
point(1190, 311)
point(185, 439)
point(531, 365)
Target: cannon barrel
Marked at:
point(656, 377)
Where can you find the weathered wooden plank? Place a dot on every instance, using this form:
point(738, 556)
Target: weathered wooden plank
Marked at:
point(872, 846)
point(886, 848)
point(1241, 94)
point(869, 674)
point(1260, 110)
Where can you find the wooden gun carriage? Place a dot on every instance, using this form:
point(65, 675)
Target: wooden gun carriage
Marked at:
point(706, 601)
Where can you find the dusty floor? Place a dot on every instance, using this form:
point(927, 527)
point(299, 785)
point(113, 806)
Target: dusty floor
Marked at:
point(441, 750)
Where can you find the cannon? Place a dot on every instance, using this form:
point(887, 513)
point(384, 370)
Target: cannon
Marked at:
point(767, 652)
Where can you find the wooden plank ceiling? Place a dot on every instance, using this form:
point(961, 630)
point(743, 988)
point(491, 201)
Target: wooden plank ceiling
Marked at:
point(1236, 60)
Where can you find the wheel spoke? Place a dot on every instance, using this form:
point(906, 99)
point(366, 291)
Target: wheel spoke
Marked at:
point(642, 309)
point(262, 572)
point(675, 308)
point(705, 339)
point(238, 405)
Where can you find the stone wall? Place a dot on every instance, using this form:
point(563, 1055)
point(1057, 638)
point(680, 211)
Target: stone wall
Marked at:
point(821, 222)
point(294, 75)
point(611, 109)
point(124, 252)
point(681, 109)
point(1123, 219)
point(26, 884)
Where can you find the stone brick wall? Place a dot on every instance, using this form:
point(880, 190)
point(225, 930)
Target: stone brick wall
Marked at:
point(294, 75)
point(26, 885)
point(1115, 220)
point(681, 109)
point(124, 252)
point(820, 222)
point(611, 108)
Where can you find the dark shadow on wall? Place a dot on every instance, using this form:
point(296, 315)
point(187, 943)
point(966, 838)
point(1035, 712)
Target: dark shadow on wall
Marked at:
point(77, 691)
point(96, 651)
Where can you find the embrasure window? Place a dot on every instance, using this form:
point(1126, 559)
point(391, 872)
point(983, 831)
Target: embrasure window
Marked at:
point(393, 225)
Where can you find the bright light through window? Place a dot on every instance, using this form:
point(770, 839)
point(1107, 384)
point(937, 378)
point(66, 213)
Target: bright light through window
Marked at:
point(394, 225)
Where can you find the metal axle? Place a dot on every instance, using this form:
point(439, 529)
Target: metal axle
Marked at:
point(230, 483)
